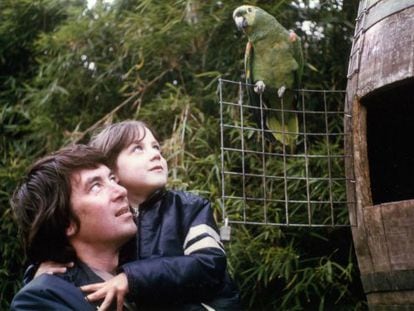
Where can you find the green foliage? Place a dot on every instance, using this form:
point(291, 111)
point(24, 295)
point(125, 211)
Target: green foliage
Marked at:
point(15, 149)
point(21, 23)
point(300, 269)
point(66, 70)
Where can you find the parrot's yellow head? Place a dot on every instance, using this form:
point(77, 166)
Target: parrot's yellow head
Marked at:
point(244, 16)
point(249, 18)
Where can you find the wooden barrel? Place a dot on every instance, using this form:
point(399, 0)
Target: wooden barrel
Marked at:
point(379, 140)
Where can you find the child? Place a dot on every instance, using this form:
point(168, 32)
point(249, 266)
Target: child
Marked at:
point(180, 262)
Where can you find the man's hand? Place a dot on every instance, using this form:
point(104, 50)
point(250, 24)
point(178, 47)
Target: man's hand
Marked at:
point(51, 267)
point(115, 287)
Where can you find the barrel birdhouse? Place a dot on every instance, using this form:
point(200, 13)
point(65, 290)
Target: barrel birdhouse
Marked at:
point(380, 106)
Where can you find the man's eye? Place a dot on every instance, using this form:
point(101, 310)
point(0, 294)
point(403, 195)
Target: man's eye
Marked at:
point(113, 178)
point(95, 187)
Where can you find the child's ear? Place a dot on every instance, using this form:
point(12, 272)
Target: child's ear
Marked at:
point(71, 230)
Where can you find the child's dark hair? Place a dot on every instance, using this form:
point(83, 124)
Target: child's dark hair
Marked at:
point(113, 138)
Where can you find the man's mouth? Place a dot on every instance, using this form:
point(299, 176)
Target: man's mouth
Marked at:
point(122, 211)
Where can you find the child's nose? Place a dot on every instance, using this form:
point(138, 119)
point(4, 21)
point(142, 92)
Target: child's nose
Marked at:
point(156, 154)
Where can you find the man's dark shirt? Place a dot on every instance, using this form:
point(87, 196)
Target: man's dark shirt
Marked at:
point(57, 292)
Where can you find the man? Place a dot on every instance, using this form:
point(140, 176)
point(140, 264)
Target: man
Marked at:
point(70, 208)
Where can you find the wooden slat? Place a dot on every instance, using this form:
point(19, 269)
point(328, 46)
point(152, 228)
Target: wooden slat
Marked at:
point(377, 239)
point(398, 219)
point(387, 53)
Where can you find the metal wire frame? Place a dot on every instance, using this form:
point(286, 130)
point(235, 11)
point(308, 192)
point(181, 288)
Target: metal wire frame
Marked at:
point(253, 171)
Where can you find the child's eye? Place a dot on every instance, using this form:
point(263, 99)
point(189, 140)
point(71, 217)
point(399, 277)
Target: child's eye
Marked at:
point(137, 148)
point(156, 147)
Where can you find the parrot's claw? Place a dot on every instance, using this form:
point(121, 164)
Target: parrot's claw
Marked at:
point(259, 87)
point(281, 91)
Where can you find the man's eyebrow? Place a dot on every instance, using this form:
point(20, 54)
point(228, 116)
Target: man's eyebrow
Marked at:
point(90, 180)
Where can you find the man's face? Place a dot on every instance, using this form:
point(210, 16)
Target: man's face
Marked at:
point(141, 168)
point(102, 207)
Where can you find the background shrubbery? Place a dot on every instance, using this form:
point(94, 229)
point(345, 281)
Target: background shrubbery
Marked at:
point(65, 69)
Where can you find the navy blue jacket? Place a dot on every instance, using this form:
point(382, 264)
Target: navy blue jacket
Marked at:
point(57, 292)
point(180, 257)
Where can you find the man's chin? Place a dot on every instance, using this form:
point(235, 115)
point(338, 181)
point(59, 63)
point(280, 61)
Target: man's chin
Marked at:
point(128, 234)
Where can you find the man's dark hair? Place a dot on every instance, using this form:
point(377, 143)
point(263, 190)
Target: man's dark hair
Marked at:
point(41, 203)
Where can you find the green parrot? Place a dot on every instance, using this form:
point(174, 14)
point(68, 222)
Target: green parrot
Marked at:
point(274, 65)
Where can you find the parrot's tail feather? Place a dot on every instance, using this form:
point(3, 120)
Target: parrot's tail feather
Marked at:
point(286, 134)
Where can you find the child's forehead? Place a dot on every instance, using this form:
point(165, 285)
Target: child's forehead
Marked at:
point(134, 134)
point(138, 136)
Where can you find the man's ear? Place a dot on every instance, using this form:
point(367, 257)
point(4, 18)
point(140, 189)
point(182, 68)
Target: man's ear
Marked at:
point(71, 230)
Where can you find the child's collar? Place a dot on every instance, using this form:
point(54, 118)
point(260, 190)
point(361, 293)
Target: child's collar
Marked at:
point(154, 197)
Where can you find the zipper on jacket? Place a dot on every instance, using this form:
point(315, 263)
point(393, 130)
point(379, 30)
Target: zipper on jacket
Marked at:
point(136, 213)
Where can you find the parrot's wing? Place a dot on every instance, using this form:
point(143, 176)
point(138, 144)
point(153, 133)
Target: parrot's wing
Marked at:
point(293, 123)
point(279, 118)
point(248, 59)
point(254, 98)
point(260, 116)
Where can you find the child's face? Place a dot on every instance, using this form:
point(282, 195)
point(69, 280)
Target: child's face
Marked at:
point(141, 168)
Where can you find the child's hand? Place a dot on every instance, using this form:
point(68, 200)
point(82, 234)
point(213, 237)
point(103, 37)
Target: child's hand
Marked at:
point(115, 287)
point(51, 267)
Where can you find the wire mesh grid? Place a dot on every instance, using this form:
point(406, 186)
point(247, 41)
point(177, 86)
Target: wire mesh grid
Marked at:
point(265, 183)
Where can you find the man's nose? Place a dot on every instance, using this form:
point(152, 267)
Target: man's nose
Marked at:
point(119, 191)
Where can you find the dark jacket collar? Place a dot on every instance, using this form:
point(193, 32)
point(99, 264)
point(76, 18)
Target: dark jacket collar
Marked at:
point(154, 197)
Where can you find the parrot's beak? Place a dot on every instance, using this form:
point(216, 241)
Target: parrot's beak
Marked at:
point(241, 22)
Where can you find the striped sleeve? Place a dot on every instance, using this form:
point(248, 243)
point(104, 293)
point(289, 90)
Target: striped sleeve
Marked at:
point(201, 237)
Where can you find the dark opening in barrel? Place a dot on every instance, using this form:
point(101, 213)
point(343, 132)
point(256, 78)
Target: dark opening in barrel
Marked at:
point(390, 141)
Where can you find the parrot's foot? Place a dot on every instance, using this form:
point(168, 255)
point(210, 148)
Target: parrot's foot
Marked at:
point(281, 91)
point(259, 87)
